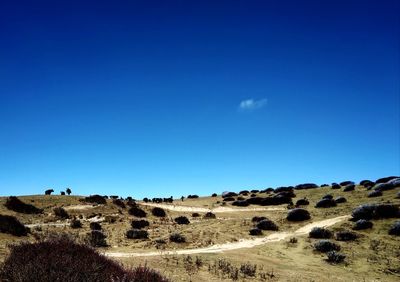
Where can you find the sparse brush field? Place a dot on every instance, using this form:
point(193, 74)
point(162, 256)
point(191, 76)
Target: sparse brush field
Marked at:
point(184, 245)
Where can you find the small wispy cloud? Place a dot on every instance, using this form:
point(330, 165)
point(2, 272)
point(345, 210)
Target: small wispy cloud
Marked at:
point(251, 104)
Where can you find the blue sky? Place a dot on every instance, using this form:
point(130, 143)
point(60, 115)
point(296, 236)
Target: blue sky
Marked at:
point(160, 98)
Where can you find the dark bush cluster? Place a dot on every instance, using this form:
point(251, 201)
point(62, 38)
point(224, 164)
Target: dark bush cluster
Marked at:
point(177, 238)
point(375, 211)
point(137, 234)
point(214, 195)
point(335, 257)
point(328, 196)
point(325, 246)
point(298, 214)
point(209, 215)
point(267, 224)
point(258, 218)
point(340, 200)
point(95, 226)
point(139, 224)
point(335, 186)
point(326, 203)
point(228, 199)
point(11, 225)
point(240, 203)
point(385, 179)
point(96, 238)
point(138, 212)
point(159, 212)
point(320, 233)
point(119, 203)
point(306, 186)
point(346, 236)
point(255, 232)
point(182, 220)
point(75, 223)
point(15, 204)
point(192, 196)
point(244, 192)
point(302, 202)
point(195, 214)
point(95, 199)
point(61, 213)
point(376, 193)
point(395, 229)
point(64, 260)
point(346, 183)
point(367, 183)
point(349, 188)
point(362, 224)
point(229, 194)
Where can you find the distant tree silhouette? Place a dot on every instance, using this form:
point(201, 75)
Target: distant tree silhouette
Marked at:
point(48, 192)
point(68, 191)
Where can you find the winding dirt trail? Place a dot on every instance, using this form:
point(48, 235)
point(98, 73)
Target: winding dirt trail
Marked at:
point(214, 210)
point(245, 243)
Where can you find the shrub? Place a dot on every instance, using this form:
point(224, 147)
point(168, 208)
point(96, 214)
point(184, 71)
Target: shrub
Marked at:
point(95, 226)
point(209, 215)
point(362, 224)
point(306, 186)
point(395, 229)
point(192, 196)
point(302, 202)
point(138, 212)
point(15, 204)
point(229, 194)
point(320, 233)
point(68, 191)
point(385, 179)
point(96, 238)
point(335, 257)
point(383, 187)
point(340, 200)
point(159, 212)
point(335, 186)
point(298, 214)
point(255, 232)
point(137, 234)
point(64, 260)
point(244, 192)
point(96, 199)
point(240, 203)
point(214, 195)
point(267, 224)
point(326, 203)
point(367, 183)
point(11, 225)
point(346, 183)
point(119, 203)
point(373, 194)
point(373, 211)
point(346, 236)
point(195, 214)
point(328, 196)
point(75, 223)
point(139, 224)
point(177, 238)
point(62, 193)
point(228, 199)
point(110, 218)
point(258, 218)
point(182, 220)
point(61, 213)
point(349, 188)
point(324, 246)
point(398, 195)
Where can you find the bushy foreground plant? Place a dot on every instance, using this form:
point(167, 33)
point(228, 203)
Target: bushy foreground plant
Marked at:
point(137, 234)
point(177, 238)
point(159, 212)
point(182, 220)
point(335, 257)
point(63, 260)
point(61, 213)
point(11, 225)
point(325, 246)
point(15, 204)
point(96, 238)
point(139, 224)
point(298, 214)
point(267, 224)
point(320, 233)
point(138, 212)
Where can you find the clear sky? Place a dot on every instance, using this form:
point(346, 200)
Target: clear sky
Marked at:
point(160, 98)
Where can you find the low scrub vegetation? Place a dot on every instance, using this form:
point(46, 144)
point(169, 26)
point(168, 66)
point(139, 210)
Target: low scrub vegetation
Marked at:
point(95, 199)
point(255, 232)
point(320, 233)
point(61, 213)
point(346, 236)
point(395, 229)
point(138, 212)
point(325, 246)
point(95, 226)
point(177, 238)
point(182, 220)
point(159, 212)
point(335, 257)
point(137, 234)
point(96, 238)
point(267, 224)
point(298, 214)
point(15, 204)
point(139, 224)
point(362, 224)
point(11, 225)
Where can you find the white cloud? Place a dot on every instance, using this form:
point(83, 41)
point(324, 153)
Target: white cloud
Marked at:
point(251, 104)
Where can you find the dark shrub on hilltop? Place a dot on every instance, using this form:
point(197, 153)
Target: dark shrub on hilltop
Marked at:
point(209, 215)
point(335, 257)
point(349, 188)
point(255, 232)
point(229, 194)
point(75, 223)
point(48, 191)
point(324, 185)
point(244, 192)
point(255, 191)
point(325, 246)
point(61, 213)
point(346, 236)
point(241, 203)
point(374, 194)
point(182, 220)
point(192, 196)
point(177, 238)
point(139, 224)
point(159, 212)
point(267, 224)
point(119, 203)
point(96, 238)
point(367, 183)
point(95, 226)
point(346, 183)
point(385, 179)
point(298, 214)
point(374, 211)
point(64, 260)
point(138, 212)
point(335, 186)
point(283, 189)
point(395, 229)
point(137, 234)
point(258, 218)
point(362, 224)
point(320, 233)
point(11, 225)
point(228, 199)
point(15, 204)
point(383, 187)
point(195, 214)
point(340, 200)
point(306, 186)
point(214, 195)
point(302, 202)
point(325, 203)
point(95, 199)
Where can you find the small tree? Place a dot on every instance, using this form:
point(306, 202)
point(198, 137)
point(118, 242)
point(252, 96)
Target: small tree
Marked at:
point(68, 191)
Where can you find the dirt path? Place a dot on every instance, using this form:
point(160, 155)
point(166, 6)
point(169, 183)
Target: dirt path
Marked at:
point(214, 210)
point(79, 207)
point(241, 244)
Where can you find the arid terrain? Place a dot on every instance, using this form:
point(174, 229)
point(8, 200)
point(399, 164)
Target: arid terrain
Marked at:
point(221, 248)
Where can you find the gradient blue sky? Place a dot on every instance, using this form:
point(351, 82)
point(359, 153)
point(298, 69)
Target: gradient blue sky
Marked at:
point(160, 98)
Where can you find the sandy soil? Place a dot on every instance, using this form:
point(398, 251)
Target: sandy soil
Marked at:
point(79, 207)
point(248, 243)
point(215, 210)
